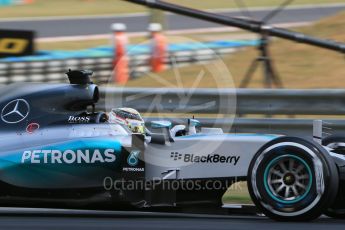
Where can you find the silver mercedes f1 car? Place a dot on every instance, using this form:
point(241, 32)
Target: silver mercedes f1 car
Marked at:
point(57, 151)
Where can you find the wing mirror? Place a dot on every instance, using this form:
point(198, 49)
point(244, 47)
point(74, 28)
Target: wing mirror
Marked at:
point(165, 126)
point(161, 124)
point(192, 124)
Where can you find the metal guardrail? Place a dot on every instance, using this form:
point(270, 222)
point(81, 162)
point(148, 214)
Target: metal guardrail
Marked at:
point(243, 101)
point(249, 101)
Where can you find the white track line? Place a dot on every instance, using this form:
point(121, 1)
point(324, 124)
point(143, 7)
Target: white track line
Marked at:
point(171, 32)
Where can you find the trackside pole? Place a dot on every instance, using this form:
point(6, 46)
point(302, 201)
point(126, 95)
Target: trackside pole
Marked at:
point(120, 60)
point(158, 48)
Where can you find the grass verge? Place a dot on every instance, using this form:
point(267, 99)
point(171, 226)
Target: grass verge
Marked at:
point(237, 194)
point(99, 7)
point(299, 65)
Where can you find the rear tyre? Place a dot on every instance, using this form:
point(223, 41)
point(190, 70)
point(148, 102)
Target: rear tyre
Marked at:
point(291, 179)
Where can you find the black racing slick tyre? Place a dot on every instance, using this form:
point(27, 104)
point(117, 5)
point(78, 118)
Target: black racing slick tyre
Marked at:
point(292, 179)
point(335, 213)
point(337, 143)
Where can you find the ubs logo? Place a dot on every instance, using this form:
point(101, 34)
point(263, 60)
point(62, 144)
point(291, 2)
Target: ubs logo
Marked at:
point(15, 111)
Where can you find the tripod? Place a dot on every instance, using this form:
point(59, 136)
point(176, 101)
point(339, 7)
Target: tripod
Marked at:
point(271, 78)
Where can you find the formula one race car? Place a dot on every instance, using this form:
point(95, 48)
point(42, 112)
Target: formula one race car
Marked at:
point(56, 150)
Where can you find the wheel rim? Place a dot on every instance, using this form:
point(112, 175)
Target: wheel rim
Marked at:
point(288, 179)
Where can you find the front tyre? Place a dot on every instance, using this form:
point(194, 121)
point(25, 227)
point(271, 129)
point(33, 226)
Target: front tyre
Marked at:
point(291, 179)
point(335, 213)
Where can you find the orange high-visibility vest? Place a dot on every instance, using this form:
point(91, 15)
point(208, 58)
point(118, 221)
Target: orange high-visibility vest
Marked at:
point(158, 52)
point(121, 60)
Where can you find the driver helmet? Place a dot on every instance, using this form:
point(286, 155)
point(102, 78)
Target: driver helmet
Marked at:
point(128, 117)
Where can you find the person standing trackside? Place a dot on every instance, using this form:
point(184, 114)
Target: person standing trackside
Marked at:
point(158, 48)
point(121, 60)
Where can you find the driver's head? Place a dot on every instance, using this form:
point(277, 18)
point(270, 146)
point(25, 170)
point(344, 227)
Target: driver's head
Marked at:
point(129, 117)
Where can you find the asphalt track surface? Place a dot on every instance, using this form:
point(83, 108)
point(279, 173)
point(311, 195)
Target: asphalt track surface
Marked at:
point(138, 23)
point(48, 219)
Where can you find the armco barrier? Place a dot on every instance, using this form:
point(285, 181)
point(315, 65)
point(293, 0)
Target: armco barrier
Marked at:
point(248, 101)
point(265, 102)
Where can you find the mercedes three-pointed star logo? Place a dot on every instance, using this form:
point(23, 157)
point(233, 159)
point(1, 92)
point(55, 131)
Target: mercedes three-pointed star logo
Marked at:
point(15, 111)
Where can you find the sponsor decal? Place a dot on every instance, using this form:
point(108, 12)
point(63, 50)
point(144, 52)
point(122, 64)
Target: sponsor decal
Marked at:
point(15, 111)
point(12, 45)
point(79, 119)
point(32, 127)
point(133, 161)
point(210, 158)
point(86, 156)
point(176, 156)
point(133, 158)
point(16, 43)
point(133, 169)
